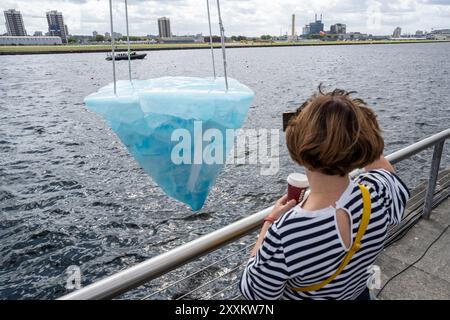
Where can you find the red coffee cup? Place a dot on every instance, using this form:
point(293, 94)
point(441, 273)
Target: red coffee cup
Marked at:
point(297, 186)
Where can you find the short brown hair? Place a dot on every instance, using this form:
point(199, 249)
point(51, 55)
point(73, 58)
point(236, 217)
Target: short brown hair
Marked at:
point(334, 134)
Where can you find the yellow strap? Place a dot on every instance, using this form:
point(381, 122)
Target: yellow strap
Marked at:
point(356, 244)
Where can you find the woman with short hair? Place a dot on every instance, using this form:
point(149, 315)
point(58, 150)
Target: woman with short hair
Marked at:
point(322, 247)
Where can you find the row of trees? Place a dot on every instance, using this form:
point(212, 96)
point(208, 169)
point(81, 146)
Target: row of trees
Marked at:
point(266, 37)
point(101, 38)
point(244, 38)
point(239, 38)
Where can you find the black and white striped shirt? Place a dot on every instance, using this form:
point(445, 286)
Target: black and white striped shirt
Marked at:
point(305, 248)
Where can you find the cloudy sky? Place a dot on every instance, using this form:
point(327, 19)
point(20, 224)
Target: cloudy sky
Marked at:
point(245, 17)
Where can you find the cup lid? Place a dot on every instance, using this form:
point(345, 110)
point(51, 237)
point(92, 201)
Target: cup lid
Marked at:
point(298, 180)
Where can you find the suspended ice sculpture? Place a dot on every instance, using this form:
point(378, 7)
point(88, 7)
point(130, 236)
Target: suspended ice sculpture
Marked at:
point(144, 116)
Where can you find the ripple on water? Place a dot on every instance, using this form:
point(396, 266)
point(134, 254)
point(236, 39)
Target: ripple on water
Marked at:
point(53, 187)
point(6, 195)
point(37, 244)
point(37, 204)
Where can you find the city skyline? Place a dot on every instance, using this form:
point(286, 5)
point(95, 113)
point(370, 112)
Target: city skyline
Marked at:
point(249, 18)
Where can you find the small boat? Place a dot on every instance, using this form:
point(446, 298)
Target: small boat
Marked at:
point(124, 56)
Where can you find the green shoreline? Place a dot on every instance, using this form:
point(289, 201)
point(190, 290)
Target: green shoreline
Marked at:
point(21, 50)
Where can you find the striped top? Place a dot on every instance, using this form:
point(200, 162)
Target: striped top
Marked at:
point(304, 248)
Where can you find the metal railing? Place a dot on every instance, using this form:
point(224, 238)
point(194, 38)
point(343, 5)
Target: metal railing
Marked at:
point(151, 269)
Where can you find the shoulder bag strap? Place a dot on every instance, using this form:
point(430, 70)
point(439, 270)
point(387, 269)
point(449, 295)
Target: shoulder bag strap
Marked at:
point(356, 244)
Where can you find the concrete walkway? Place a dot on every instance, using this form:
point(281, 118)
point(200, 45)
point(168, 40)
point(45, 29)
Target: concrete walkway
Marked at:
point(430, 277)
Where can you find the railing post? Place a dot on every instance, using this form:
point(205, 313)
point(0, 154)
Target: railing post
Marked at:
point(434, 172)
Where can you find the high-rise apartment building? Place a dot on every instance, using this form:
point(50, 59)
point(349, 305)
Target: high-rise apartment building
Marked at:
point(14, 23)
point(56, 26)
point(164, 27)
point(397, 32)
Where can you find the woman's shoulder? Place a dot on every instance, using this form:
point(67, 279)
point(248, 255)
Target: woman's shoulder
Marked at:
point(380, 179)
point(298, 220)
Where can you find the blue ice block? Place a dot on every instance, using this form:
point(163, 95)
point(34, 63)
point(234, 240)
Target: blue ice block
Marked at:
point(145, 113)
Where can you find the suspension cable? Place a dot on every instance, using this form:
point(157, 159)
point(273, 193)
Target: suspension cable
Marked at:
point(112, 46)
point(222, 40)
point(211, 39)
point(128, 41)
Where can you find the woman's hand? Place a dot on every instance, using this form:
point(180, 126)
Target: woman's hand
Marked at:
point(282, 206)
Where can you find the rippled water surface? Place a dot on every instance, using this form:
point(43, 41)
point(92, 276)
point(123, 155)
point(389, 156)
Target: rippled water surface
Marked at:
point(71, 195)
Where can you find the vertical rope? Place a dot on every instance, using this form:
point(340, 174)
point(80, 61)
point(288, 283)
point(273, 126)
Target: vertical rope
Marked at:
point(112, 46)
point(211, 39)
point(222, 37)
point(128, 40)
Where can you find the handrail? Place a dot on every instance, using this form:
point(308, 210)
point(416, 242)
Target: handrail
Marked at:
point(417, 147)
point(146, 271)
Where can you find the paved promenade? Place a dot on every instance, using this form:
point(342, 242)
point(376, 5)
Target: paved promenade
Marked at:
point(430, 277)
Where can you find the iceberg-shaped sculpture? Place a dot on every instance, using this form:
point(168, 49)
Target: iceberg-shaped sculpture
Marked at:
point(154, 118)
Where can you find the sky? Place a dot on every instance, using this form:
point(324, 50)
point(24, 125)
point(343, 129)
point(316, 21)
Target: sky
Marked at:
point(241, 17)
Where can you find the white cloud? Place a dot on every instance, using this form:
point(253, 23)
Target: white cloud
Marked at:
point(247, 17)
